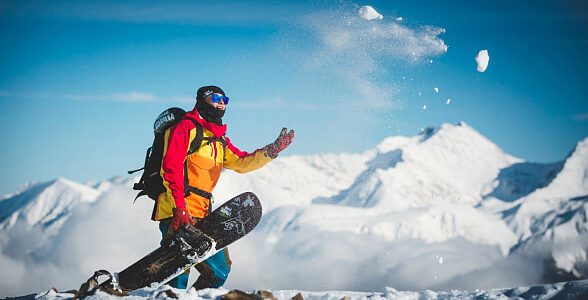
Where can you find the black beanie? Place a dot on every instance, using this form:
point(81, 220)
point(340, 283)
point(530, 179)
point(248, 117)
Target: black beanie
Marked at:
point(207, 111)
point(207, 90)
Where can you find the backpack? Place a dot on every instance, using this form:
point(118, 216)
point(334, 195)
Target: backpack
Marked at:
point(151, 184)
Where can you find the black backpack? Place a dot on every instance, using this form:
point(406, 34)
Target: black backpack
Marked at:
point(151, 184)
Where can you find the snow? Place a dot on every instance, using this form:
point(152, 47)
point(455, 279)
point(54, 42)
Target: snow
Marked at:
point(369, 13)
point(443, 210)
point(436, 89)
point(482, 60)
point(568, 290)
point(448, 101)
point(354, 49)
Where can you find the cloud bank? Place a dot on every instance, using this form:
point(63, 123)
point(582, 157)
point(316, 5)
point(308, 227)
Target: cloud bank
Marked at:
point(111, 233)
point(108, 234)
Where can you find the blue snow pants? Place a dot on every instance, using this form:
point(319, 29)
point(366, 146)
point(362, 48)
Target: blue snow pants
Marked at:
point(213, 272)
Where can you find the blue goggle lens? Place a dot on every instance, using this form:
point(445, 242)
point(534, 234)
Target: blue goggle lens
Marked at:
point(216, 98)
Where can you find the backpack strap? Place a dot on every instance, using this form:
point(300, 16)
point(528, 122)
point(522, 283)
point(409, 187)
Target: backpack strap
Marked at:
point(195, 145)
point(141, 184)
point(212, 139)
point(197, 142)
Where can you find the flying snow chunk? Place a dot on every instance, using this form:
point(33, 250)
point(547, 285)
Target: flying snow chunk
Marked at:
point(369, 13)
point(482, 60)
point(436, 90)
point(448, 101)
point(399, 19)
point(424, 107)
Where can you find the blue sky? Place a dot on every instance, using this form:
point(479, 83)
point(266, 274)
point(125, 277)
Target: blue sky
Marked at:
point(81, 83)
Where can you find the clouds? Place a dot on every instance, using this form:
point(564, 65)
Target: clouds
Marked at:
point(581, 117)
point(132, 96)
point(319, 260)
point(108, 234)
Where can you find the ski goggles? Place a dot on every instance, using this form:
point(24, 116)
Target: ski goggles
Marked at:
point(216, 98)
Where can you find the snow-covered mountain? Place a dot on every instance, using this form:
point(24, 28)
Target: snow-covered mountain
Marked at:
point(449, 164)
point(570, 181)
point(44, 205)
point(441, 210)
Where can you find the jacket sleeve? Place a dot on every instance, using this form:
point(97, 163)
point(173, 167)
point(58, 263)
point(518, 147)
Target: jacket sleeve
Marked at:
point(172, 166)
point(243, 162)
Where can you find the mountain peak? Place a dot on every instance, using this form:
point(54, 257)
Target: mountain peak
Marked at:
point(580, 150)
point(455, 133)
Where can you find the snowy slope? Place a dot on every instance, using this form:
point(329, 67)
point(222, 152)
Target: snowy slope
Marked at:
point(520, 179)
point(568, 290)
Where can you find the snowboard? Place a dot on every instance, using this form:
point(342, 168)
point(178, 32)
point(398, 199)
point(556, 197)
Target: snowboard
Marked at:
point(191, 245)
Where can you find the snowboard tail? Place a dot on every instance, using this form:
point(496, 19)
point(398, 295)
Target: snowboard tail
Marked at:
point(191, 245)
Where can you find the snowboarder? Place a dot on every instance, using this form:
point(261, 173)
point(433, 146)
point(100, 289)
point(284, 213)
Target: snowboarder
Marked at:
point(190, 178)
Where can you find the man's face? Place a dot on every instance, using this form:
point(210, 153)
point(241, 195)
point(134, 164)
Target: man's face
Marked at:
point(220, 105)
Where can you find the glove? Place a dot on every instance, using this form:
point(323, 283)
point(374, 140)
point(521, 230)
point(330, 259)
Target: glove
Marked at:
point(282, 142)
point(181, 217)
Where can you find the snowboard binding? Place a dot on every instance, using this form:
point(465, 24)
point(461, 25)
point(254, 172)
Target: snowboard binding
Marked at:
point(194, 244)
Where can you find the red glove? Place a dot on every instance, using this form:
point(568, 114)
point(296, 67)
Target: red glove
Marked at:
point(181, 217)
point(281, 143)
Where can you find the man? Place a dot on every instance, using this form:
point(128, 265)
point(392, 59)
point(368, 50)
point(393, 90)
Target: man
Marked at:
point(189, 178)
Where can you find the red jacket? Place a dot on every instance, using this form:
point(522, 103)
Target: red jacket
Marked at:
point(203, 167)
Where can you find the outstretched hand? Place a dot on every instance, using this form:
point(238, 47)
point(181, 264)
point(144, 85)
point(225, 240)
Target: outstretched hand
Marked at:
point(282, 142)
